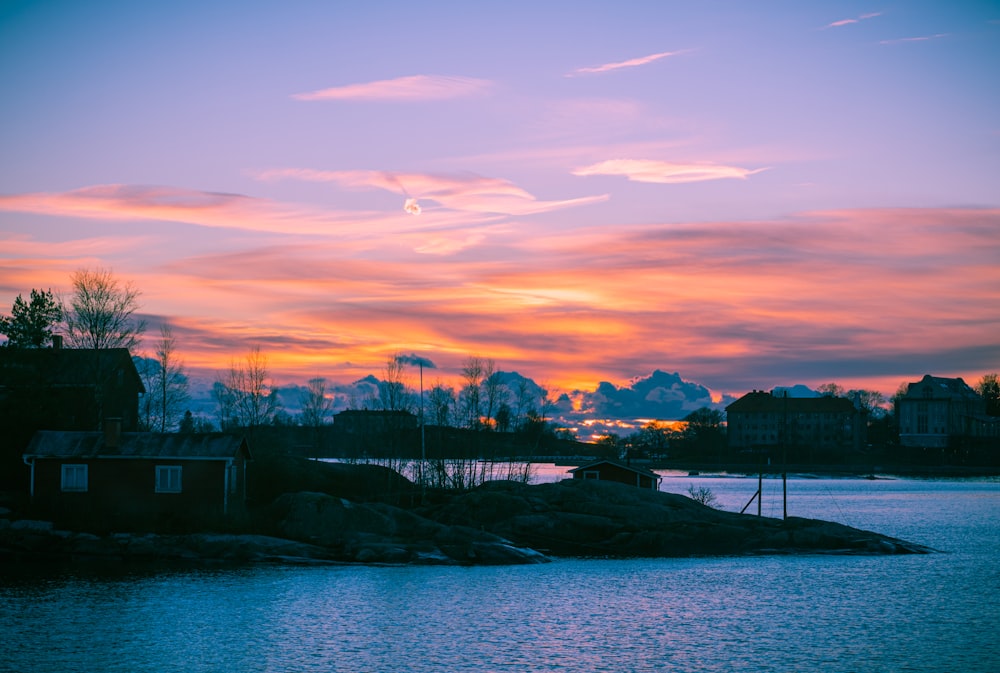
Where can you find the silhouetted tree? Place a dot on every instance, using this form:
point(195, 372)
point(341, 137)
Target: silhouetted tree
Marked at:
point(471, 395)
point(504, 418)
point(441, 400)
point(830, 390)
point(165, 382)
point(652, 438)
point(247, 392)
point(102, 311)
point(495, 392)
point(871, 402)
point(392, 393)
point(225, 404)
point(30, 324)
point(187, 425)
point(316, 406)
point(703, 431)
point(989, 388)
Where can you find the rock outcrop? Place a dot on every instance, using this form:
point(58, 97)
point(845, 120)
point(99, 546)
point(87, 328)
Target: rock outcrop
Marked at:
point(498, 523)
point(599, 518)
point(379, 533)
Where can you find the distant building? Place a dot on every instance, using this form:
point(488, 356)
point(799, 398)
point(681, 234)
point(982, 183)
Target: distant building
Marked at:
point(141, 474)
point(936, 411)
point(760, 421)
point(611, 470)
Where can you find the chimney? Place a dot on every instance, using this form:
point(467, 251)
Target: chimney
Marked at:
point(57, 342)
point(112, 432)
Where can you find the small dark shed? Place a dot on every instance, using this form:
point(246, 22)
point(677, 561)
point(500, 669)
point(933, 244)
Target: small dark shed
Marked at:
point(611, 470)
point(137, 472)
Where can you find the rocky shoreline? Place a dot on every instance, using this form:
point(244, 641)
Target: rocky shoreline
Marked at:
point(499, 523)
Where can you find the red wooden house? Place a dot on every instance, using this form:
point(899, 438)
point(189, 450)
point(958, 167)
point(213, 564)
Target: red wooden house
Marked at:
point(137, 473)
point(611, 470)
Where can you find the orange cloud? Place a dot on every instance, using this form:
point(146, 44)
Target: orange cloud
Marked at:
point(144, 202)
point(863, 297)
point(358, 229)
point(413, 88)
point(665, 172)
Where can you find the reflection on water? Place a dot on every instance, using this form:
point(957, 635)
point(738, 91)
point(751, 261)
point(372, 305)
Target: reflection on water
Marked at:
point(915, 613)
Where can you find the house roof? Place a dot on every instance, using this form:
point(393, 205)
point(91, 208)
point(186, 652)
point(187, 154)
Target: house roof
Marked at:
point(64, 366)
point(197, 446)
point(605, 461)
point(937, 387)
point(764, 402)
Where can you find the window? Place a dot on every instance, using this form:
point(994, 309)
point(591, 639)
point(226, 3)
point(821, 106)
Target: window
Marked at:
point(74, 478)
point(168, 478)
point(591, 474)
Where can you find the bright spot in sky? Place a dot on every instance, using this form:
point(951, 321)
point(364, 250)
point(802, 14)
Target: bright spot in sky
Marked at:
point(412, 207)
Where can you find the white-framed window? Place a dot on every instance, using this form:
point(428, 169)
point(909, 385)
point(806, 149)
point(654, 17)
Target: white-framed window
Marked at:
point(168, 478)
point(74, 478)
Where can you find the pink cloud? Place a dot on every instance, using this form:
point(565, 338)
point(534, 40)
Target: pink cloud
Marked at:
point(847, 22)
point(465, 192)
point(921, 38)
point(665, 172)
point(415, 87)
point(880, 290)
point(211, 209)
point(631, 63)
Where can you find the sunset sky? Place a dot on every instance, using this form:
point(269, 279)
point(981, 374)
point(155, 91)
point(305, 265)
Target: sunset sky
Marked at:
point(749, 194)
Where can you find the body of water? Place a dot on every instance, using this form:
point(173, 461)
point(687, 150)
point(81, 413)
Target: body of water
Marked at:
point(929, 613)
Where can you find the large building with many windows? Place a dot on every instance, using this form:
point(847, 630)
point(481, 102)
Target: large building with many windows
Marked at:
point(935, 412)
point(805, 427)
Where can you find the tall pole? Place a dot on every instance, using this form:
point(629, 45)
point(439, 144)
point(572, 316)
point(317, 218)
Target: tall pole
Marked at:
point(784, 459)
point(423, 444)
point(760, 481)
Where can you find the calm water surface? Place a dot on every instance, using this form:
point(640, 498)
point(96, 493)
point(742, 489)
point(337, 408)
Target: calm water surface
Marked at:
point(813, 613)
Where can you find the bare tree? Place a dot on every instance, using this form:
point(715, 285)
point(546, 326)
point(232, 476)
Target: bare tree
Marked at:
point(316, 406)
point(392, 392)
point(165, 382)
point(442, 403)
point(494, 390)
point(225, 403)
point(523, 401)
point(102, 311)
point(871, 402)
point(471, 395)
point(830, 390)
point(254, 399)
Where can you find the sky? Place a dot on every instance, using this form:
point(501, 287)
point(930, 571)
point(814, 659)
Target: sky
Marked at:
point(740, 195)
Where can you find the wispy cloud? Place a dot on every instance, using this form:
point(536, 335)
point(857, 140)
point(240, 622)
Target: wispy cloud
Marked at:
point(710, 298)
point(171, 204)
point(738, 304)
point(919, 38)
point(665, 172)
point(228, 211)
point(413, 88)
point(466, 192)
point(631, 63)
point(848, 22)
